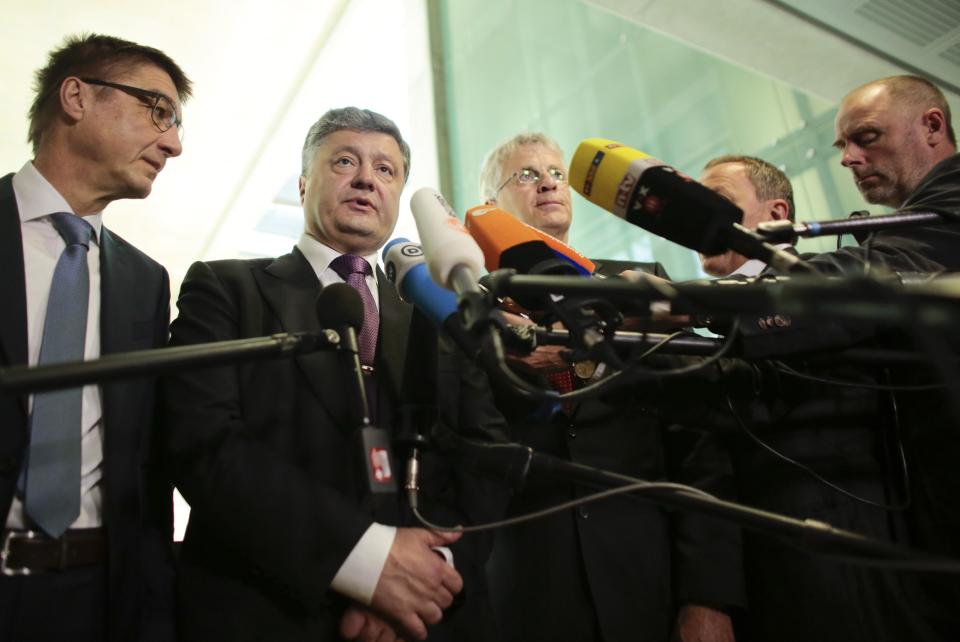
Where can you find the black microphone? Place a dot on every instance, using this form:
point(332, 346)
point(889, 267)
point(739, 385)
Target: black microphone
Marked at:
point(339, 306)
point(651, 195)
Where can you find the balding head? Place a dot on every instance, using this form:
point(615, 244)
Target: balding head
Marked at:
point(892, 132)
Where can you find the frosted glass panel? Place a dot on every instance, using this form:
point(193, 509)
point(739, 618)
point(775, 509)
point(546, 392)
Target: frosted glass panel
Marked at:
point(575, 72)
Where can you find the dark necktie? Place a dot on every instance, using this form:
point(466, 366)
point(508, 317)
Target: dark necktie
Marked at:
point(52, 498)
point(354, 270)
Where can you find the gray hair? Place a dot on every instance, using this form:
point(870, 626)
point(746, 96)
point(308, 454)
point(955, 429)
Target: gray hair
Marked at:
point(355, 119)
point(491, 173)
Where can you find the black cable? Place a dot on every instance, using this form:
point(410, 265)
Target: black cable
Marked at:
point(934, 564)
point(556, 508)
point(809, 471)
point(659, 344)
point(902, 455)
point(721, 352)
point(529, 391)
point(784, 368)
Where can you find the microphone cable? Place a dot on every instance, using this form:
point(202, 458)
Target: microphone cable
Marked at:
point(901, 506)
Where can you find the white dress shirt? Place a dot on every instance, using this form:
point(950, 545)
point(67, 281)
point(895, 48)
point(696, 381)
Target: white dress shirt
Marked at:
point(42, 246)
point(359, 574)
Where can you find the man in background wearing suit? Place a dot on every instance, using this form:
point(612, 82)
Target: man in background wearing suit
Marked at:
point(88, 522)
point(617, 569)
point(815, 438)
point(285, 542)
point(758, 188)
point(898, 140)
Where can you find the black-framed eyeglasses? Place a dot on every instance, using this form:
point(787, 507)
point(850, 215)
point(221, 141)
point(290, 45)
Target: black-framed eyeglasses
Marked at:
point(530, 176)
point(162, 112)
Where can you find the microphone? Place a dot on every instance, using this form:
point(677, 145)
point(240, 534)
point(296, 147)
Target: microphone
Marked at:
point(406, 267)
point(340, 306)
point(453, 257)
point(508, 242)
point(656, 197)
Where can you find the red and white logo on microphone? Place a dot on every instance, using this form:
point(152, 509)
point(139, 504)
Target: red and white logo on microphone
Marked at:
point(380, 465)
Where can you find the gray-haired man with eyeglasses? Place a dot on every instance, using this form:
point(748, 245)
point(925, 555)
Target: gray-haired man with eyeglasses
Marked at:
point(612, 570)
point(86, 547)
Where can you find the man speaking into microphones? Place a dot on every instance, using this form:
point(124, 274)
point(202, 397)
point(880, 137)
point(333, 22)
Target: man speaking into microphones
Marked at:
point(612, 570)
point(289, 536)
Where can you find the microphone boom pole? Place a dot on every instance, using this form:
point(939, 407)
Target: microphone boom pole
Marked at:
point(123, 365)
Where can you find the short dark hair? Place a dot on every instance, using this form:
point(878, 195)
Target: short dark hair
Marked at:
point(918, 92)
point(353, 118)
point(91, 55)
point(767, 179)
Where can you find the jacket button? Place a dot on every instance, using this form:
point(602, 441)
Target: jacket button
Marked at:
point(572, 432)
point(583, 512)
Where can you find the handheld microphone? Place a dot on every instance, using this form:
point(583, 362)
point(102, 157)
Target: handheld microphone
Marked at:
point(452, 256)
point(584, 265)
point(406, 267)
point(654, 196)
point(508, 242)
point(340, 306)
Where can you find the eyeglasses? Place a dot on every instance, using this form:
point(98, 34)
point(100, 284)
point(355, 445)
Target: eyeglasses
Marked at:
point(162, 113)
point(530, 176)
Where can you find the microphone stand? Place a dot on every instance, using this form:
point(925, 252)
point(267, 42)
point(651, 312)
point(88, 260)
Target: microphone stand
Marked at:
point(935, 304)
point(123, 365)
point(788, 232)
point(692, 345)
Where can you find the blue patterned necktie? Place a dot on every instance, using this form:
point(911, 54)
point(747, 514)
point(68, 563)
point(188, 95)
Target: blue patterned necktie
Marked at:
point(52, 498)
point(354, 270)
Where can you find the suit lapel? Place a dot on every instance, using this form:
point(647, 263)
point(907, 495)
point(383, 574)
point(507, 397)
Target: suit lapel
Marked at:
point(117, 284)
point(290, 288)
point(13, 293)
point(394, 330)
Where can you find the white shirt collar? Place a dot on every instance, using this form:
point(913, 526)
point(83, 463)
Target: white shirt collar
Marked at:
point(320, 255)
point(753, 267)
point(37, 198)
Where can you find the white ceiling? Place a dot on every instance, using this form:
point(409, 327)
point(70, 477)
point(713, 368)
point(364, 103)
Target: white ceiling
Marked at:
point(823, 47)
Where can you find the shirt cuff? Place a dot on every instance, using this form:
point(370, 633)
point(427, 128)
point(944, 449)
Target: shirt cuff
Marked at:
point(445, 553)
point(360, 572)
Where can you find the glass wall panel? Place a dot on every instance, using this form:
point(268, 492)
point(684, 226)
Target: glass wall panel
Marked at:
point(574, 71)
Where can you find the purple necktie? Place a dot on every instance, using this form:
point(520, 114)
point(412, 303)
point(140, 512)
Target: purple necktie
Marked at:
point(354, 270)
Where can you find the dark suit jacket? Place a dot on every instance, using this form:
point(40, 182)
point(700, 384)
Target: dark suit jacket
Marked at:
point(137, 509)
point(616, 569)
point(851, 437)
point(267, 456)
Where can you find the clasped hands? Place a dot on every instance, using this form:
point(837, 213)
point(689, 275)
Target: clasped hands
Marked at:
point(415, 587)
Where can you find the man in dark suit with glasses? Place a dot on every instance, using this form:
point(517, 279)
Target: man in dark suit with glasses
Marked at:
point(87, 519)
